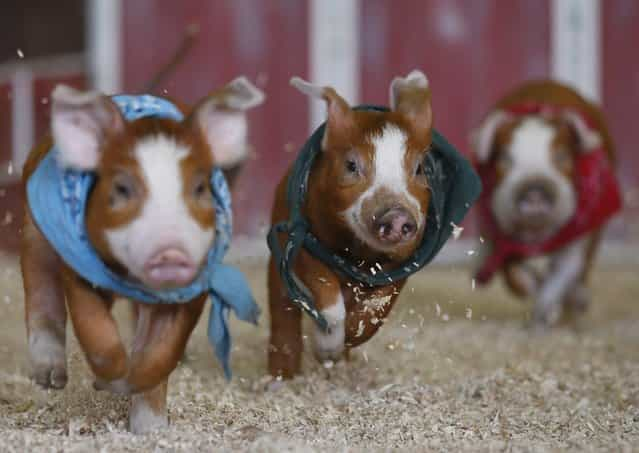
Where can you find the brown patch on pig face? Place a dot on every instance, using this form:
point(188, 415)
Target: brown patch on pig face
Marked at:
point(534, 194)
point(373, 177)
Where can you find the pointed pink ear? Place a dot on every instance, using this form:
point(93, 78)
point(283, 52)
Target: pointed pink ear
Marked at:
point(339, 113)
point(410, 96)
point(221, 117)
point(482, 138)
point(80, 122)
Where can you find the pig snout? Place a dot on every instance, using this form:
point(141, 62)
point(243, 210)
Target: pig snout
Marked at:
point(394, 225)
point(535, 198)
point(170, 267)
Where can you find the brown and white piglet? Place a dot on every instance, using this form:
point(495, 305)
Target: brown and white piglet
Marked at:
point(150, 217)
point(367, 200)
point(532, 195)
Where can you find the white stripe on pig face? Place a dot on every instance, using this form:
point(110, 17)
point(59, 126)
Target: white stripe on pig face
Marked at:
point(164, 245)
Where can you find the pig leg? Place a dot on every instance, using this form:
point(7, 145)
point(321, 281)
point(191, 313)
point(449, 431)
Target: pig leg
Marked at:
point(565, 270)
point(323, 284)
point(578, 299)
point(285, 342)
point(95, 329)
point(148, 410)
point(45, 311)
point(522, 280)
point(161, 335)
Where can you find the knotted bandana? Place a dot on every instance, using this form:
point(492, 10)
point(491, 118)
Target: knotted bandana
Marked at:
point(57, 200)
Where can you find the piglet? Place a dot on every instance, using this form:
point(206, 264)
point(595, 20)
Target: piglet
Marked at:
point(367, 199)
point(546, 159)
point(151, 219)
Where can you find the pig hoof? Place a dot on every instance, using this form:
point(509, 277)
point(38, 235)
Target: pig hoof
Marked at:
point(48, 360)
point(50, 377)
point(117, 386)
point(578, 300)
point(329, 346)
point(546, 316)
point(275, 384)
point(143, 419)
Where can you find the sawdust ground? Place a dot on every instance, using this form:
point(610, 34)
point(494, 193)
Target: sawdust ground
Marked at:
point(453, 370)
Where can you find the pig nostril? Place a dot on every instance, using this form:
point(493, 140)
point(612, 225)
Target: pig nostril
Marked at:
point(408, 228)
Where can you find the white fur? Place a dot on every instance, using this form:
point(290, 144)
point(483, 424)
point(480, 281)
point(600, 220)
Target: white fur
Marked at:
point(567, 265)
point(142, 418)
point(389, 174)
point(530, 151)
point(330, 346)
point(165, 220)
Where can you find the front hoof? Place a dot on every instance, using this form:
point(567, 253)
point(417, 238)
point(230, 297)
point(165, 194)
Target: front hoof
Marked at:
point(48, 359)
point(546, 316)
point(578, 300)
point(117, 386)
point(50, 376)
point(329, 346)
point(142, 419)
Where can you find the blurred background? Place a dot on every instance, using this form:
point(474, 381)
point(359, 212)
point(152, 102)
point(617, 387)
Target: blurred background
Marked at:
point(472, 52)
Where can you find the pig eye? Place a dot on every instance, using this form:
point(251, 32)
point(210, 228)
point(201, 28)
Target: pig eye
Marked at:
point(122, 190)
point(503, 162)
point(351, 166)
point(202, 191)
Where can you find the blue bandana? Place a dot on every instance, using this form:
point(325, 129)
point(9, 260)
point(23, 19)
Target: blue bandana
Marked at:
point(57, 199)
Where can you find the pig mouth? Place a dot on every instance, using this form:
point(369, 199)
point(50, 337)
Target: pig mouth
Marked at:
point(169, 268)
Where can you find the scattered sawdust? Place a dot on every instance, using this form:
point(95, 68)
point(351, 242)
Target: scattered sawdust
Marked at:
point(479, 384)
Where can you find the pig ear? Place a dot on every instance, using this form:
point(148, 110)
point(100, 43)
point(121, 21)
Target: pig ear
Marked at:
point(589, 139)
point(81, 121)
point(339, 113)
point(410, 96)
point(221, 117)
point(482, 138)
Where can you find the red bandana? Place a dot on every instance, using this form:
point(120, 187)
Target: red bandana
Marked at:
point(598, 199)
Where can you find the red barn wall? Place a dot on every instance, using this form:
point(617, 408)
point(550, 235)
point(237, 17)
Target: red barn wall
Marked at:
point(620, 71)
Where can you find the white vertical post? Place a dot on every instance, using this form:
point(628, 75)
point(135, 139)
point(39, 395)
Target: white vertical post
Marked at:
point(104, 49)
point(22, 106)
point(334, 50)
point(576, 45)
